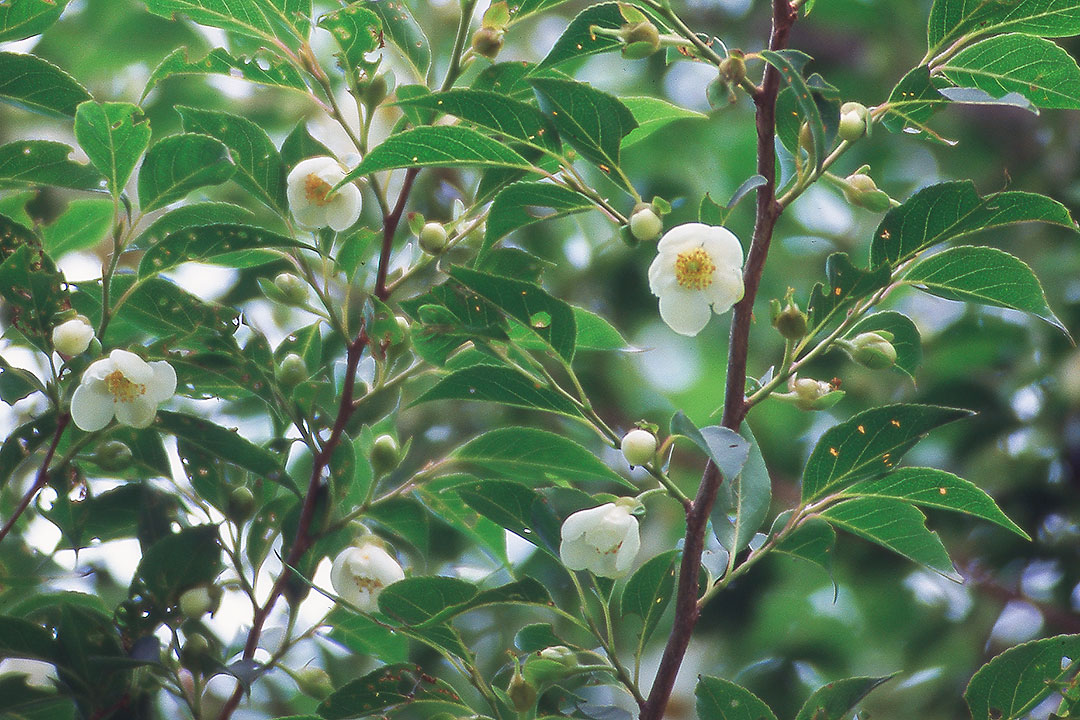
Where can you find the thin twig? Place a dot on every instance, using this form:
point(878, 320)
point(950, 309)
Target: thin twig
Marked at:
point(40, 479)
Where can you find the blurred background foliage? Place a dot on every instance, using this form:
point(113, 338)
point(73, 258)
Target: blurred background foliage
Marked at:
point(786, 627)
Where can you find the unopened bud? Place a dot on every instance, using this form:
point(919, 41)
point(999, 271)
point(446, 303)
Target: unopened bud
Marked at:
point(560, 654)
point(854, 121)
point(292, 370)
point(789, 321)
point(861, 191)
point(733, 68)
point(806, 139)
point(198, 601)
point(293, 290)
point(488, 42)
point(374, 92)
point(521, 693)
point(385, 455)
point(73, 336)
point(113, 455)
point(638, 446)
point(241, 504)
point(640, 40)
point(195, 652)
point(433, 238)
point(645, 224)
point(314, 682)
point(873, 350)
point(808, 394)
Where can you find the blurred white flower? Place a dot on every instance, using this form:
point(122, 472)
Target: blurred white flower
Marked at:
point(697, 267)
point(73, 336)
point(360, 573)
point(603, 540)
point(121, 385)
point(313, 205)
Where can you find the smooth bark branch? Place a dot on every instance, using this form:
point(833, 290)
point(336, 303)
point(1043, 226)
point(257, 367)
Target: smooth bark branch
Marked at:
point(390, 226)
point(768, 210)
point(40, 479)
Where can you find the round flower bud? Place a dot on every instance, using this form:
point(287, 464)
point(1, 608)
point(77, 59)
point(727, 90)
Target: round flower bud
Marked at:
point(314, 682)
point(560, 654)
point(385, 455)
point(293, 289)
point(640, 40)
point(195, 652)
point(790, 322)
point(808, 394)
point(433, 238)
point(603, 540)
point(854, 121)
point(806, 139)
point(196, 602)
point(638, 446)
point(873, 350)
point(861, 191)
point(113, 456)
point(360, 573)
point(292, 370)
point(241, 504)
point(645, 224)
point(488, 42)
point(72, 337)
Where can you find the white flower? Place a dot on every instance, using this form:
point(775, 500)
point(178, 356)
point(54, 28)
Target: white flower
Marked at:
point(312, 203)
point(603, 540)
point(122, 385)
point(361, 572)
point(73, 336)
point(698, 266)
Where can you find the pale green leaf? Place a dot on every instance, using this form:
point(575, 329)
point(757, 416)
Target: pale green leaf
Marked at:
point(719, 699)
point(30, 163)
point(83, 225)
point(178, 164)
point(114, 136)
point(268, 71)
point(20, 19)
point(38, 85)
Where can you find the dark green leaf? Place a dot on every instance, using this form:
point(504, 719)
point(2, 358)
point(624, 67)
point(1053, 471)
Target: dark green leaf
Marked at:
point(653, 114)
point(813, 540)
point(532, 454)
point(30, 282)
point(404, 517)
point(515, 207)
point(846, 284)
point(300, 145)
point(114, 136)
point(578, 40)
point(178, 164)
point(951, 210)
point(203, 244)
point(83, 225)
point(725, 447)
point(951, 19)
point(179, 561)
point(193, 215)
point(43, 162)
point(265, 71)
point(494, 112)
point(16, 383)
point(416, 600)
point(536, 637)
point(906, 338)
point(519, 509)
point(226, 444)
point(20, 19)
point(869, 444)
point(1013, 683)
point(928, 487)
point(722, 700)
point(38, 85)
point(386, 687)
point(500, 385)
point(790, 63)
point(735, 522)
point(913, 102)
point(986, 276)
point(527, 591)
point(22, 442)
point(896, 525)
point(648, 592)
point(357, 30)
point(400, 28)
point(593, 332)
point(836, 700)
point(22, 638)
point(365, 636)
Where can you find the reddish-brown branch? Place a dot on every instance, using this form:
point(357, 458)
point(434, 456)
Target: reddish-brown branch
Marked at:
point(305, 538)
point(390, 226)
point(40, 479)
point(697, 517)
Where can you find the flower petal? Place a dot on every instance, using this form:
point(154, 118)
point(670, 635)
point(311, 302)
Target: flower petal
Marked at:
point(310, 217)
point(92, 407)
point(98, 370)
point(344, 210)
point(137, 413)
point(662, 273)
point(624, 559)
point(685, 311)
point(576, 554)
point(683, 237)
point(133, 367)
point(723, 247)
point(726, 290)
point(163, 385)
point(578, 523)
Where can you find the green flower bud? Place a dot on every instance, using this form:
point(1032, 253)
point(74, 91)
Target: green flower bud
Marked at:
point(113, 455)
point(374, 91)
point(645, 224)
point(241, 504)
point(198, 601)
point(195, 653)
point(638, 446)
point(640, 40)
point(521, 693)
point(808, 394)
point(854, 121)
point(873, 350)
point(292, 370)
point(293, 289)
point(861, 191)
point(314, 682)
point(433, 238)
point(560, 654)
point(790, 321)
point(385, 455)
point(488, 42)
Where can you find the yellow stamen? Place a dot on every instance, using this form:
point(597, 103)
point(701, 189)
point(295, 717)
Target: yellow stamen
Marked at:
point(366, 583)
point(317, 190)
point(694, 269)
point(122, 389)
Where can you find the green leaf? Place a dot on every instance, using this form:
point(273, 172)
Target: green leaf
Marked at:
point(578, 40)
point(442, 502)
point(24, 639)
point(1013, 683)
point(515, 207)
point(527, 591)
point(208, 242)
point(404, 517)
point(653, 114)
point(986, 276)
point(594, 122)
point(551, 319)
point(648, 592)
point(525, 8)
point(193, 215)
point(494, 112)
point(365, 636)
point(749, 495)
point(389, 686)
point(39, 86)
point(416, 600)
point(906, 338)
point(357, 30)
point(228, 445)
point(23, 441)
point(812, 541)
point(499, 385)
point(896, 525)
point(400, 28)
point(790, 63)
point(35, 289)
point(725, 447)
point(441, 146)
point(836, 700)
point(16, 383)
point(593, 333)
point(846, 284)
point(950, 210)
point(722, 700)
point(913, 102)
point(20, 19)
point(268, 71)
point(178, 164)
point(264, 19)
point(114, 136)
point(518, 508)
point(531, 454)
point(932, 488)
point(177, 562)
point(42, 162)
point(869, 444)
point(951, 19)
point(83, 225)
point(259, 168)
point(1033, 67)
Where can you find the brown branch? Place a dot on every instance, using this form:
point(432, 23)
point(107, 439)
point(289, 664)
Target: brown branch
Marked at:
point(390, 226)
point(697, 517)
point(40, 479)
point(305, 538)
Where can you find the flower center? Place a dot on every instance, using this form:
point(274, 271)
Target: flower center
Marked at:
point(317, 190)
point(367, 583)
point(694, 269)
point(122, 389)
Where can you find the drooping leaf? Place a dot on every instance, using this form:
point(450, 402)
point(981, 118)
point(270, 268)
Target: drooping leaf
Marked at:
point(790, 63)
point(836, 700)
point(1013, 683)
point(515, 207)
point(42, 162)
point(951, 19)
point(38, 85)
point(226, 444)
point(736, 522)
point(269, 71)
point(416, 600)
point(719, 699)
point(207, 242)
point(178, 164)
point(906, 338)
point(896, 525)
point(114, 136)
point(515, 507)
point(400, 28)
point(648, 592)
point(531, 454)
point(846, 284)
point(725, 447)
point(499, 385)
point(357, 30)
point(20, 19)
point(870, 443)
point(653, 114)
point(913, 102)
point(82, 226)
point(986, 276)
